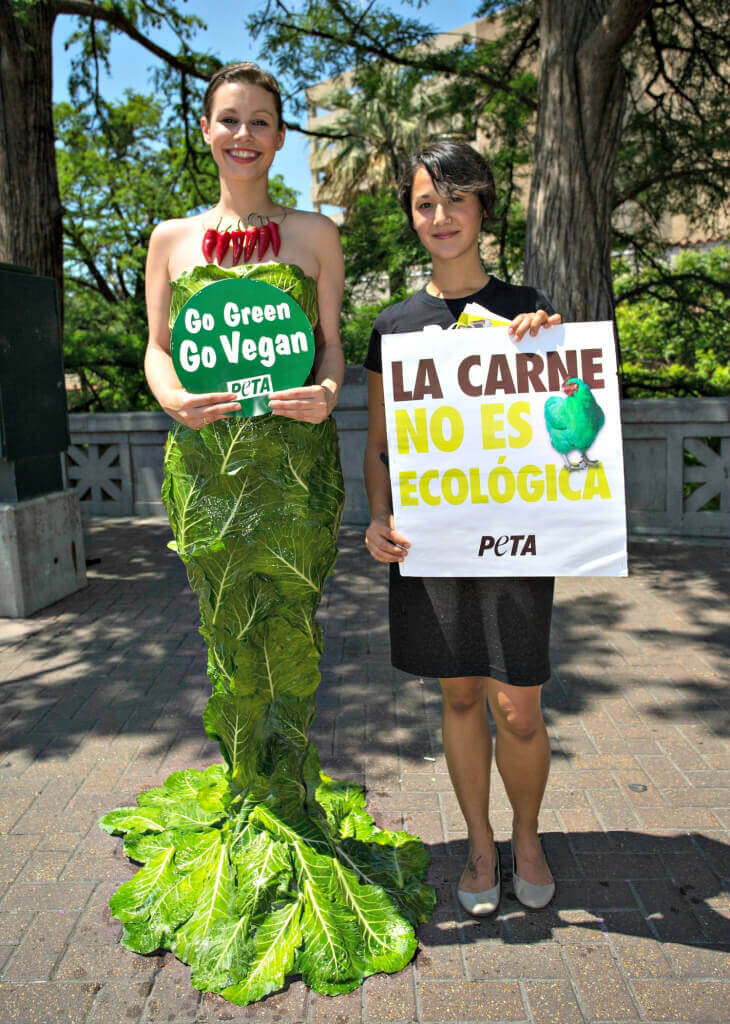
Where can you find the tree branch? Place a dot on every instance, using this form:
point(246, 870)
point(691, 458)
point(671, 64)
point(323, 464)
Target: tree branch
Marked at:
point(113, 16)
point(120, 281)
point(600, 72)
point(670, 281)
point(87, 259)
point(530, 37)
point(698, 176)
point(614, 30)
point(663, 72)
point(365, 45)
point(318, 133)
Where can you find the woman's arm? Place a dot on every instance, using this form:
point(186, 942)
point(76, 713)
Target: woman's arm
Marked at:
point(315, 403)
point(191, 410)
point(329, 362)
point(382, 540)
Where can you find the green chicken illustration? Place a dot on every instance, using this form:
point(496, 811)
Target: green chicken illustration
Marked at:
point(573, 422)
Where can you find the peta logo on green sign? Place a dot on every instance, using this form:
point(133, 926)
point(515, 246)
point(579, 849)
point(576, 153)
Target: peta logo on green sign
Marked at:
point(244, 336)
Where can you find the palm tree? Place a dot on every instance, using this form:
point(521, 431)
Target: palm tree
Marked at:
point(381, 121)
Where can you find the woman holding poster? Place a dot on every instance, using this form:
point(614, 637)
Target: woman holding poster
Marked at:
point(259, 867)
point(487, 639)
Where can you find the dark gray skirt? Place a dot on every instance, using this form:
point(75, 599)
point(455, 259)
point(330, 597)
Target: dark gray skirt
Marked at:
point(498, 627)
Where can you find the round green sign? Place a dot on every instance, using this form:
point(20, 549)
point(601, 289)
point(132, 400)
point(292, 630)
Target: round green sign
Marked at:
point(244, 336)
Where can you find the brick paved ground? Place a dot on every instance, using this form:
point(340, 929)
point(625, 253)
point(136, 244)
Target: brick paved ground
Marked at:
point(102, 696)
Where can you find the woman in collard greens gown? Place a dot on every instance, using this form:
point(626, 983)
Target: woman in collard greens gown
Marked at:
point(260, 867)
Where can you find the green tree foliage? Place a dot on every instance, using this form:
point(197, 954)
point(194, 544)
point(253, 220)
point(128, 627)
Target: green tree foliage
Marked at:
point(383, 117)
point(674, 325)
point(675, 148)
point(381, 254)
point(31, 218)
point(121, 170)
point(377, 240)
point(482, 91)
point(669, 98)
point(673, 152)
point(388, 110)
point(387, 113)
point(117, 176)
point(357, 323)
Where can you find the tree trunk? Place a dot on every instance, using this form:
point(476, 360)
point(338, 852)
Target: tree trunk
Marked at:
point(582, 97)
point(30, 207)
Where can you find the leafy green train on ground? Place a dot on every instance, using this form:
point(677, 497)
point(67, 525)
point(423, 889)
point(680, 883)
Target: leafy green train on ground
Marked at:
point(263, 867)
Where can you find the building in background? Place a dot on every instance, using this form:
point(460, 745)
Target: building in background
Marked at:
point(324, 113)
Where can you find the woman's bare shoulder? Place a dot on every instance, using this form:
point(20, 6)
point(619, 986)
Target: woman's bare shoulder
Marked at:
point(306, 238)
point(175, 244)
point(308, 220)
point(177, 228)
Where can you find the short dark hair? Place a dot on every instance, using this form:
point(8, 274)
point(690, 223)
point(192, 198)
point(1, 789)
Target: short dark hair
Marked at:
point(243, 71)
point(454, 167)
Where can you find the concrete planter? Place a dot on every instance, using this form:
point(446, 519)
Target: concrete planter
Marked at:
point(41, 552)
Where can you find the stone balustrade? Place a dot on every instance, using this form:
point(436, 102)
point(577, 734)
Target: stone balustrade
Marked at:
point(676, 452)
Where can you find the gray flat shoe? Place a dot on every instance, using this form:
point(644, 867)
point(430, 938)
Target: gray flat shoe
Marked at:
point(535, 897)
point(482, 904)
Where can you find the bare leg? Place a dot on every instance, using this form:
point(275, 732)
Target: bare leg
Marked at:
point(523, 761)
point(468, 749)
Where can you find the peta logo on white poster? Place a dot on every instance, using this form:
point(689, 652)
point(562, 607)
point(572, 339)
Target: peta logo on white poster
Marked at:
point(251, 387)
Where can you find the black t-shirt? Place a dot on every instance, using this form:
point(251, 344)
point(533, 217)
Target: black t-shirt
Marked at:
point(422, 309)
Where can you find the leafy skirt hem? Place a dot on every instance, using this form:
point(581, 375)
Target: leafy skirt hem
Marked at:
point(263, 867)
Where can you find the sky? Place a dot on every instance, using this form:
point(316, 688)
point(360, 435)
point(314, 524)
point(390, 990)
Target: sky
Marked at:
point(226, 36)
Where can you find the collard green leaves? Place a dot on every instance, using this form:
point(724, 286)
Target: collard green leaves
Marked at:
point(287, 276)
point(154, 903)
point(262, 867)
point(258, 897)
point(272, 957)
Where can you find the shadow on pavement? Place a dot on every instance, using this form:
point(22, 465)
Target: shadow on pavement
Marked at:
point(115, 658)
point(617, 882)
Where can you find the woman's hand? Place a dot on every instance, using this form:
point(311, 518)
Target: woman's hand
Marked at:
point(198, 411)
point(312, 404)
point(531, 322)
point(384, 542)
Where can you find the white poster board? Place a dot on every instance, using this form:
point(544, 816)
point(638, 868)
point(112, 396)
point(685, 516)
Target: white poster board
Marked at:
point(496, 469)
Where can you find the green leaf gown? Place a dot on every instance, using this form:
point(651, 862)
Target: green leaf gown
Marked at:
point(263, 867)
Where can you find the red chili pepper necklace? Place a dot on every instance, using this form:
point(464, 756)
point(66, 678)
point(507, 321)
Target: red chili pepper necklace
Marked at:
point(244, 240)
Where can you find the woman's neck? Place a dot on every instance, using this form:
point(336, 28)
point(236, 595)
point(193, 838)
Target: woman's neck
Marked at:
point(237, 202)
point(453, 279)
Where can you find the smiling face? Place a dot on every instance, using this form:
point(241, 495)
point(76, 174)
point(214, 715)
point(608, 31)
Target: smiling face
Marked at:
point(242, 130)
point(447, 225)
